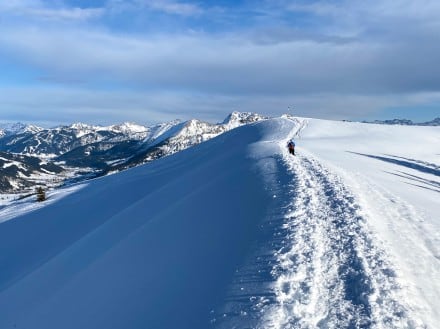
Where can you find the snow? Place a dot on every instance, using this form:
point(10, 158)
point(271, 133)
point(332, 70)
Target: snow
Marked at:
point(236, 119)
point(18, 127)
point(129, 127)
point(161, 132)
point(7, 198)
point(235, 232)
point(395, 156)
point(82, 129)
point(152, 245)
point(394, 172)
point(27, 204)
point(11, 163)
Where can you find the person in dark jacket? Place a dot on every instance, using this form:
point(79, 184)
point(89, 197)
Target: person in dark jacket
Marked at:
point(291, 146)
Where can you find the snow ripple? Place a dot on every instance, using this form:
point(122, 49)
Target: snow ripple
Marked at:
point(331, 271)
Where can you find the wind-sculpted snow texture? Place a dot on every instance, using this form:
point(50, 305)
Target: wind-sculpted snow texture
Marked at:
point(152, 247)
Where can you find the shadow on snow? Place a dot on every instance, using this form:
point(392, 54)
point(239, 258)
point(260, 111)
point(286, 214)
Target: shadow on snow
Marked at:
point(412, 164)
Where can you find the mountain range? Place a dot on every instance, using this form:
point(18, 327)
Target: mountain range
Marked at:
point(81, 151)
point(406, 122)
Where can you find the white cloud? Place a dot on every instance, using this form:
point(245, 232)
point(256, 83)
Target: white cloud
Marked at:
point(67, 105)
point(169, 7)
point(317, 8)
point(61, 14)
point(350, 17)
point(38, 10)
point(227, 64)
point(361, 58)
point(173, 7)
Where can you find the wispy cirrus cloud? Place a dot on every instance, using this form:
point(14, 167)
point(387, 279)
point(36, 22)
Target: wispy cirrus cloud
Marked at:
point(62, 14)
point(168, 7)
point(39, 10)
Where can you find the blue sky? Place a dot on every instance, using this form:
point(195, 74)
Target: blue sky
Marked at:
point(108, 61)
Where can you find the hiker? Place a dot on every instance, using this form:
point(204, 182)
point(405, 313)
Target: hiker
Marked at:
point(291, 146)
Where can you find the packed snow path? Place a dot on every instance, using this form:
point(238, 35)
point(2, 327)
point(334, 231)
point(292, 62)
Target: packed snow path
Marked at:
point(322, 267)
point(330, 272)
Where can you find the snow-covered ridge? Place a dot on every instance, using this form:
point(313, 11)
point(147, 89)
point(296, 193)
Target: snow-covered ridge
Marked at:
point(129, 129)
point(16, 128)
point(96, 219)
point(192, 132)
point(236, 119)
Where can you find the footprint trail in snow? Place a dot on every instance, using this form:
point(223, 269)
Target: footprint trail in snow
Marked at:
point(321, 267)
point(330, 272)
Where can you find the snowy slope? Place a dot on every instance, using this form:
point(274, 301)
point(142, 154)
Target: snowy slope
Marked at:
point(403, 159)
point(394, 171)
point(154, 246)
point(237, 233)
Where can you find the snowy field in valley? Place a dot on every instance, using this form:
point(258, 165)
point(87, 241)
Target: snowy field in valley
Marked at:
point(237, 233)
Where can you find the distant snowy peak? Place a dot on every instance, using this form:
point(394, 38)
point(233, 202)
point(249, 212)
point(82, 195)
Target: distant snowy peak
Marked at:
point(195, 131)
point(162, 128)
point(406, 122)
point(178, 135)
point(236, 119)
point(435, 122)
point(80, 126)
point(12, 128)
point(196, 127)
point(80, 129)
point(129, 128)
point(175, 136)
point(16, 128)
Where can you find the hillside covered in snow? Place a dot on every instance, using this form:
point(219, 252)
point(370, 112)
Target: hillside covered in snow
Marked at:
point(236, 233)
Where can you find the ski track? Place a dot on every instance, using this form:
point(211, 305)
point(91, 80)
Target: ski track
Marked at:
point(322, 266)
